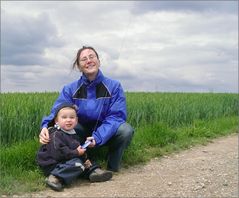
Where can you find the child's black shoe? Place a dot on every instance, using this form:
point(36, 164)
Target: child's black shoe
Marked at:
point(54, 183)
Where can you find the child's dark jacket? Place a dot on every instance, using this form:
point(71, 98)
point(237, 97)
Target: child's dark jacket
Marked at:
point(62, 147)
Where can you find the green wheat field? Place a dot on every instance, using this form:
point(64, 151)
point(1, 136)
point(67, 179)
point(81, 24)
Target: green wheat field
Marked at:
point(163, 123)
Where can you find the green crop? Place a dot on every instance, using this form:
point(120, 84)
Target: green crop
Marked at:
point(21, 113)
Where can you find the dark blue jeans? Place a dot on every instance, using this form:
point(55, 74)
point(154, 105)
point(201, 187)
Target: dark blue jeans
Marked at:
point(72, 169)
point(116, 144)
point(69, 170)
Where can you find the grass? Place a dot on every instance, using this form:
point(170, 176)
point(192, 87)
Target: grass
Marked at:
point(19, 173)
point(163, 123)
point(22, 113)
point(200, 132)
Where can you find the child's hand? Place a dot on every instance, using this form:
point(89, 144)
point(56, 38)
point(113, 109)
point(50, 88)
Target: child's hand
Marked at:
point(80, 150)
point(87, 164)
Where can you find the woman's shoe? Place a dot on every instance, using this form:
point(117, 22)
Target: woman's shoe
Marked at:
point(99, 175)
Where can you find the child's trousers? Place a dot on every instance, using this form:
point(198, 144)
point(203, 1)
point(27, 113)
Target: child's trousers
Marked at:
point(69, 170)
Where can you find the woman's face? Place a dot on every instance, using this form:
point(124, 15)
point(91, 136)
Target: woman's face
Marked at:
point(89, 63)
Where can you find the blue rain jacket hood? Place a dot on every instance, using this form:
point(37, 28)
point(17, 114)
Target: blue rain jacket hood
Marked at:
point(100, 102)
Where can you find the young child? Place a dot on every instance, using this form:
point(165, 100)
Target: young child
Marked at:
point(63, 159)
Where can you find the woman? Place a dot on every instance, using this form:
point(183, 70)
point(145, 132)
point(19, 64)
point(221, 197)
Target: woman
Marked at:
point(102, 108)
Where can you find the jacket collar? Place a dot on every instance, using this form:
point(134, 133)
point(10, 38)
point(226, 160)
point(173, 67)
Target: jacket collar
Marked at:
point(99, 78)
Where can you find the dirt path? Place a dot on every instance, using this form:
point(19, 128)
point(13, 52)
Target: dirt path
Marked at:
point(202, 171)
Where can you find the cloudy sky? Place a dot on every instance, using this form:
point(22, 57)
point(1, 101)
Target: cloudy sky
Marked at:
point(167, 46)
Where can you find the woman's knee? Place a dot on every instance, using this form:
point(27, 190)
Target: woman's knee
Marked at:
point(125, 131)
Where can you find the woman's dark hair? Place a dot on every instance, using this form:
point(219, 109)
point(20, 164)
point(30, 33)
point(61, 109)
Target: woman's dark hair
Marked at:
point(77, 60)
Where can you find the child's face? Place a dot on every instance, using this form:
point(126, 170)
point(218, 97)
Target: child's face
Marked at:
point(66, 118)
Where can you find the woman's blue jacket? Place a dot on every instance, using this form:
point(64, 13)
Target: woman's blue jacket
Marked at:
point(101, 103)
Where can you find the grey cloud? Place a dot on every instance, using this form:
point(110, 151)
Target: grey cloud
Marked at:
point(110, 50)
point(25, 38)
point(87, 16)
point(200, 6)
point(171, 84)
point(34, 78)
point(154, 51)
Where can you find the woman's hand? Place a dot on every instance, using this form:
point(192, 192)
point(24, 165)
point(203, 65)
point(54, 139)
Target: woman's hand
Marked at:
point(44, 136)
point(93, 143)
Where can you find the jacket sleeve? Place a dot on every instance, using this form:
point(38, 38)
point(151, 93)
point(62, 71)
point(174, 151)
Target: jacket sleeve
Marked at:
point(116, 115)
point(64, 96)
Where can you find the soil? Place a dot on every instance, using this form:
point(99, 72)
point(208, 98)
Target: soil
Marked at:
point(202, 171)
